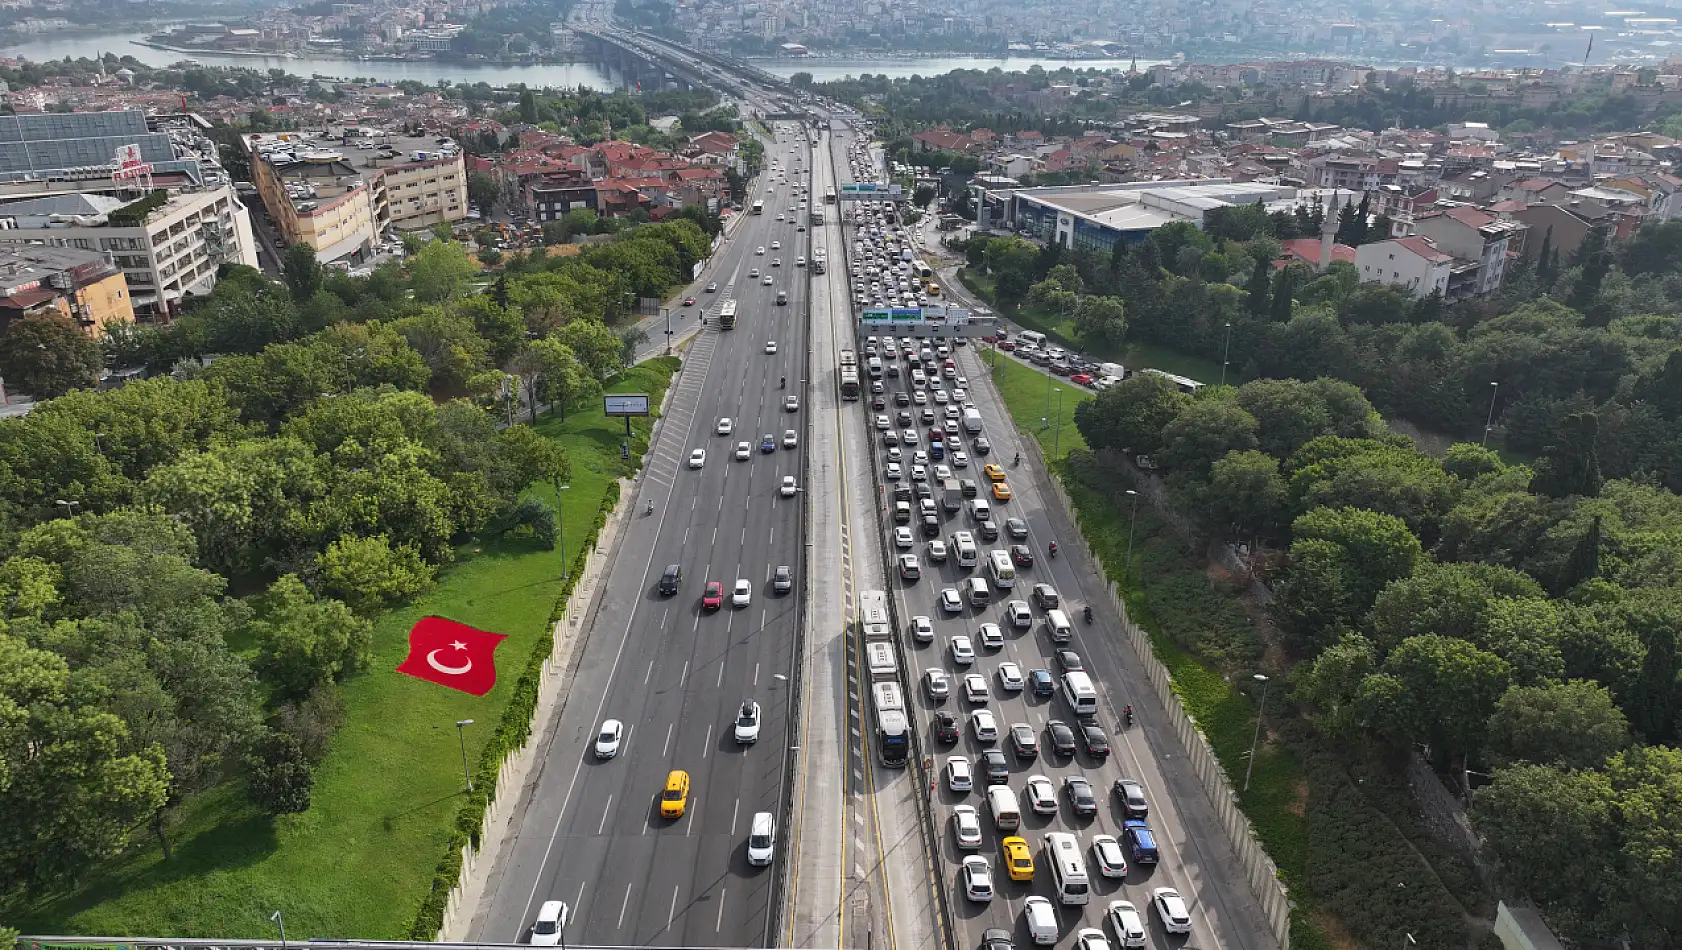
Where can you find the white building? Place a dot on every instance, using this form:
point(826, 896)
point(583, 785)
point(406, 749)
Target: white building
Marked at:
point(1414, 264)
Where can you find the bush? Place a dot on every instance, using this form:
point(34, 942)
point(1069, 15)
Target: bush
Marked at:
point(369, 573)
point(312, 721)
point(530, 518)
point(281, 776)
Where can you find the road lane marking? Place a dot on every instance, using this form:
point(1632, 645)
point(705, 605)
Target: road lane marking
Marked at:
point(650, 674)
point(622, 905)
point(608, 810)
point(718, 926)
point(671, 913)
point(756, 674)
point(665, 750)
point(709, 743)
point(683, 678)
point(735, 810)
point(720, 683)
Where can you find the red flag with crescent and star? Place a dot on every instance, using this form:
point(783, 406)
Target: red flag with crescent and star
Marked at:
point(452, 654)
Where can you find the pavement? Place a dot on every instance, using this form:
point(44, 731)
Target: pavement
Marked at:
point(588, 831)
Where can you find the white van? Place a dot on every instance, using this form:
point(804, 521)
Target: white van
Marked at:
point(1001, 801)
point(1057, 625)
point(976, 591)
point(972, 421)
point(1068, 868)
point(762, 840)
point(1029, 338)
point(964, 544)
point(1079, 694)
point(1000, 567)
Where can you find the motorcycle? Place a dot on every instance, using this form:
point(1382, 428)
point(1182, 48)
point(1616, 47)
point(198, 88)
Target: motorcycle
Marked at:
point(1053, 550)
point(1128, 714)
point(649, 509)
point(1088, 613)
point(782, 382)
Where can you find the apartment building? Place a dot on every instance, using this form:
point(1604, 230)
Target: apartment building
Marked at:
point(340, 193)
point(1414, 264)
point(1476, 238)
point(167, 245)
point(83, 286)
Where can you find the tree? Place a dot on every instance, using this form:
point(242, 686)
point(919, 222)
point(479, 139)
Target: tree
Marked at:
point(1571, 465)
point(550, 370)
point(47, 356)
point(1245, 494)
point(1317, 601)
point(1572, 725)
point(439, 271)
point(483, 192)
point(1203, 432)
point(1100, 321)
point(1130, 415)
point(1531, 814)
point(596, 347)
point(1330, 684)
point(1380, 547)
point(303, 642)
point(922, 196)
point(801, 80)
point(1255, 290)
point(367, 574)
point(302, 271)
point(1284, 287)
point(1437, 690)
point(282, 778)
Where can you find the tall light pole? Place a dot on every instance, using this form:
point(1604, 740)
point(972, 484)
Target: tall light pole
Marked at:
point(1132, 519)
point(1489, 422)
point(1226, 351)
point(461, 726)
point(1256, 736)
point(70, 507)
point(560, 527)
point(281, 922)
point(668, 312)
point(1057, 437)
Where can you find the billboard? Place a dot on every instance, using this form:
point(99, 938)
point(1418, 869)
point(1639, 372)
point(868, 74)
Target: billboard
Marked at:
point(933, 317)
point(872, 191)
point(626, 404)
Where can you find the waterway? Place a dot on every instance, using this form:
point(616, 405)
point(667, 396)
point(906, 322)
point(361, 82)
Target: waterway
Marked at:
point(78, 45)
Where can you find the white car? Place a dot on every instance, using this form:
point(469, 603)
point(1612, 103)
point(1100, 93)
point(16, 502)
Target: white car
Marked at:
point(697, 458)
point(1171, 907)
point(966, 827)
point(1041, 919)
point(790, 439)
point(770, 346)
point(744, 452)
point(789, 488)
point(1042, 796)
point(949, 599)
point(550, 926)
point(959, 778)
point(608, 739)
point(747, 723)
point(1010, 677)
point(1129, 926)
point(1018, 614)
point(760, 252)
point(1107, 854)
point(894, 472)
point(776, 245)
point(902, 538)
point(963, 653)
point(922, 629)
point(991, 636)
point(975, 689)
point(978, 879)
point(791, 404)
point(959, 460)
point(1091, 938)
point(742, 594)
point(725, 426)
point(937, 684)
point(986, 727)
point(937, 550)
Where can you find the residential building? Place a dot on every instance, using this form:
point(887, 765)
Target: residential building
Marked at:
point(1475, 237)
point(1411, 263)
point(84, 286)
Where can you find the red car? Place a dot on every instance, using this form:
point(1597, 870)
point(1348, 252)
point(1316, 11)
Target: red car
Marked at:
point(689, 301)
point(1007, 346)
point(712, 598)
point(937, 435)
point(1084, 379)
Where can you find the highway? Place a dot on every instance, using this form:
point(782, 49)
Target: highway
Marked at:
point(1195, 858)
point(589, 832)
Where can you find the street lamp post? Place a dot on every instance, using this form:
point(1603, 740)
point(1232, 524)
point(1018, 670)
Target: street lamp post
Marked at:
point(668, 312)
point(70, 507)
point(461, 726)
point(1057, 436)
point(1489, 422)
point(560, 527)
point(1132, 519)
point(281, 922)
point(1226, 351)
point(1256, 736)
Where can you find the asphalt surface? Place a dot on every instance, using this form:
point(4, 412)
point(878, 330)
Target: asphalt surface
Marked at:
point(676, 675)
point(1193, 850)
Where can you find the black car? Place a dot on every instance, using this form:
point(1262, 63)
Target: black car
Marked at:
point(982, 446)
point(1041, 682)
point(1017, 527)
point(902, 491)
point(1080, 795)
point(902, 399)
point(1132, 796)
point(1022, 555)
point(878, 404)
point(905, 420)
point(1023, 742)
point(945, 728)
point(922, 491)
point(989, 531)
point(670, 579)
point(1097, 744)
point(1069, 660)
point(994, 938)
point(995, 767)
point(968, 488)
point(1061, 737)
point(931, 526)
point(1045, 597)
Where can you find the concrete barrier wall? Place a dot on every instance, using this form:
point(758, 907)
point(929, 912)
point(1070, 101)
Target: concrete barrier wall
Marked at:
point(1259, 869)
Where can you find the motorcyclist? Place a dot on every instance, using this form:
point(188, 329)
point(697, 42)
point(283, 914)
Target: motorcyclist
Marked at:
point(782, 382)
point(1017, 460)
point(649, 509)
point(1053, 549)
point(1128, 712)
point(1088, 612)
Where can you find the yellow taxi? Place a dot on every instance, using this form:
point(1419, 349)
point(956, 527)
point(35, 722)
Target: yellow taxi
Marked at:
point(1001, 491)
point(1019, 861)
point(993, 471)
point(676, 796)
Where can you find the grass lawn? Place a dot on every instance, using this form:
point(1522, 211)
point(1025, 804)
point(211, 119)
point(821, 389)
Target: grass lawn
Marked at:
point(359, 861)
point(1189, 619)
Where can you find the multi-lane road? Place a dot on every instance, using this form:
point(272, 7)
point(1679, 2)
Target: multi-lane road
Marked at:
point(674, 673)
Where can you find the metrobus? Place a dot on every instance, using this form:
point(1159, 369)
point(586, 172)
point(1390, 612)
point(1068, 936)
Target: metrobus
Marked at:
point(922, 270)
point(893, 729)
point(759, 207)
point(829, 197)
point(727, 315)
point(849, 382)
point(1183, 383)
point(873, 614)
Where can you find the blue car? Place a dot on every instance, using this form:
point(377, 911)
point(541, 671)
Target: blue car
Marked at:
point(1140, 841)
point(767, 444)
point(1041, 682)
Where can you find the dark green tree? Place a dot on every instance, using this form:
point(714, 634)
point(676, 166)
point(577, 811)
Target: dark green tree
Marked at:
point(47, 356)
point(1256, 300)
point(1571, 465)
point(302, 271)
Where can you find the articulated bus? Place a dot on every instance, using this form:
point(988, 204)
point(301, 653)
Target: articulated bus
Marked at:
point(849, 382)
point(873, 615)
point(829, 197)
point(759, 207)
point(727, 315)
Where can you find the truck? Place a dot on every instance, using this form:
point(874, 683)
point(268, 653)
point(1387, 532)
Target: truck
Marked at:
point(893, 729)
point(951, 495)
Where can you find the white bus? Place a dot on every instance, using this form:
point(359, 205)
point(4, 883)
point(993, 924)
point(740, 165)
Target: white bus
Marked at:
point(873, 614)
point(1185, 384)
point(1029, 338)
point(759, 207)
point(1002, 570)
point(1068, 868)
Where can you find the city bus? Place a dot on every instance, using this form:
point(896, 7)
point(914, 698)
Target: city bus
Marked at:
point(922, 270)
point(829, 197)
point(759, 207)
point(727, 315)
point(849, 382)
point(893, 729)
point(873, 614)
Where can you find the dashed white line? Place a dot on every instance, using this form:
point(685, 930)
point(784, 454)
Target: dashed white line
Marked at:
point(671, 914)
point(683, 678)
point(622, 905)
point(718, 926)
point(667, 748)
point(605, 812)
point(650, 674)
point(708, 745)
point(720, 683)
point(756, 674)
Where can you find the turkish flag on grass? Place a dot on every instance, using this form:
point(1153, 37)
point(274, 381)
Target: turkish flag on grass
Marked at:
point(452, 654)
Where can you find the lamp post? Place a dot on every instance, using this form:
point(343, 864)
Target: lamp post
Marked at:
point(668, 312)
point(1057, 436)
point(1132, 519)
point(280, 922)
point(1226, 351)
point(461, 726)
point(1048, 388)
point(560, 527)
point(1256, 736)
point(1489, 422)
point(70, 507)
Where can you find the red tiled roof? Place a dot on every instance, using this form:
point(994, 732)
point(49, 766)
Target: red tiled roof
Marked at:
point(1424, 248)
point(1308, 249)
